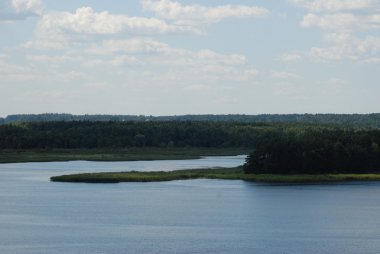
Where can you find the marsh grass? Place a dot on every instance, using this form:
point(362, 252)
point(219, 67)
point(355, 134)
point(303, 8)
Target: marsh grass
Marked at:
point(210, 173)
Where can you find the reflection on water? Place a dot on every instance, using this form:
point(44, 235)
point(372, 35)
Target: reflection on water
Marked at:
point(196, 216)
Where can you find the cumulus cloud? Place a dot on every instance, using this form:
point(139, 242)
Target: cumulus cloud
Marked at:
point(85, 42)
point(57, 30)
point(176, 65)
point(348, 28)
point(340, 14)
point(20, 9)
point(136, 45)
point(147, 46)
point(334, 5)
point(341, 21)
point(192, 15)
point(121, 57)
point(347, 46)
point(86, 21)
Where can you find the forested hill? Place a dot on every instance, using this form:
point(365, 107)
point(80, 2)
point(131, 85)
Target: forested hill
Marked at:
point(355, 120)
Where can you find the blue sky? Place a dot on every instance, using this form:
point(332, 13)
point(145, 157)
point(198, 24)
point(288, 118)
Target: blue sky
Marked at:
point(166, 57)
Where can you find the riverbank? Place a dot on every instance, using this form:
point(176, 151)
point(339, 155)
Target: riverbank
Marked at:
point(211, 173)
point(130, 154)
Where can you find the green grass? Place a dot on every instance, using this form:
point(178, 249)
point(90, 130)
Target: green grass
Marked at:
point(211, 173)
point(130, 154)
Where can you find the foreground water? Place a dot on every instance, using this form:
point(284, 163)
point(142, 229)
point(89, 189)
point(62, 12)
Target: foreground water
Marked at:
point(197, 216)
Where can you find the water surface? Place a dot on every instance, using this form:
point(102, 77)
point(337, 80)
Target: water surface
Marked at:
point(196, 216)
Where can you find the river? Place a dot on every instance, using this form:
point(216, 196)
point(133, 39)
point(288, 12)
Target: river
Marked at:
point(195, 216)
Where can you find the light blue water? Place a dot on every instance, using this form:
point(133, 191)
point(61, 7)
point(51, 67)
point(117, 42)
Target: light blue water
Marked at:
point(197, 216)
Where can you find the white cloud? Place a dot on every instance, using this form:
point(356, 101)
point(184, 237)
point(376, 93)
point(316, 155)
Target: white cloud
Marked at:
point(330, 53)
point(20, 9)
point(346, 46)
point(171, 65)
point(348, 28)
point(341, 21)
point(57, 30)
point(46, 41)
point(285, 75)
point(192, 15)
point(138, 45)
point(86, 21)
point(334, 5)
point(125, 56)
point(27, 5)
point(146, 46)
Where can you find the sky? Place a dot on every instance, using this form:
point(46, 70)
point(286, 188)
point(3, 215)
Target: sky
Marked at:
point(174, 57)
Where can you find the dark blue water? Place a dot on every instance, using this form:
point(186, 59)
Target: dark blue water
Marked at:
point(197, 216)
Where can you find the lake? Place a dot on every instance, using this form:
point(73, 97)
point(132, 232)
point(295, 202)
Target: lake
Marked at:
point(195, 216)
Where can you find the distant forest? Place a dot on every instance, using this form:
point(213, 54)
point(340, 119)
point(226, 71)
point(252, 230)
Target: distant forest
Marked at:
point(356, 120)
point(85, 134)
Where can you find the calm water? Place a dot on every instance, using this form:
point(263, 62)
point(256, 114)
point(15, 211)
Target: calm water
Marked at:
point(197, 216)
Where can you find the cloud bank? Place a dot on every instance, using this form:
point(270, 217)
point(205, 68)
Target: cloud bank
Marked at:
point(11, 10)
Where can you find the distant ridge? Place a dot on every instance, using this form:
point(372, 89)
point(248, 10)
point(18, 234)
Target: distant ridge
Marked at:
point(359, 120)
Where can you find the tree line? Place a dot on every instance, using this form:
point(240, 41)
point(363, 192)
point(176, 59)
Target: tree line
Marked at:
point(355, 120)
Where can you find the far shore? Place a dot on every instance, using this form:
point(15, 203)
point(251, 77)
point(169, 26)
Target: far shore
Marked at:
point(126, 154)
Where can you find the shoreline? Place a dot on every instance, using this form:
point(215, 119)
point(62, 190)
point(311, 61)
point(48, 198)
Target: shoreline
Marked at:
point(127, 154)
point(210, 173)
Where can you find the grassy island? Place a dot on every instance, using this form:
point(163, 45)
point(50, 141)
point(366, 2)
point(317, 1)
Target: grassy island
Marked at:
point(211, 173)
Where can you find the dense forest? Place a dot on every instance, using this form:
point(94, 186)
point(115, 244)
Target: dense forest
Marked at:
point(355, 120)
point(315, 151)
point(85, 134)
